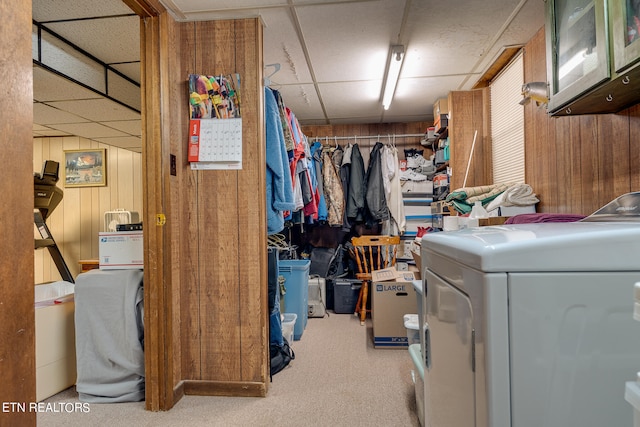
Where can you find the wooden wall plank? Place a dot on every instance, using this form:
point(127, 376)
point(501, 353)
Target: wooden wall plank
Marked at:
point(188, 207)
point(253, 298)
point(17, 318)
point(219, 237)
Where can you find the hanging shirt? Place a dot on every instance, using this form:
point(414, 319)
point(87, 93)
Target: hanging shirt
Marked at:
point(278, 178)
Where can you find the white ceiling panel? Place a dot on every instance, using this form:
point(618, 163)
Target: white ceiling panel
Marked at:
point(55, 10)
point(302, 100)
point(45, 114)
point(110, 39)
point(281, 48)
point(97, 109)
point(132, 127)
point(89, 130)
point(128, 142)
point(350, 42)
point(352, 99)
point(48, 86)
point(47, 132)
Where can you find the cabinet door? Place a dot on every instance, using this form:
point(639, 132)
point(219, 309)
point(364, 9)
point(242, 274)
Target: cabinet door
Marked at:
point(625, 32)
point(449, 377)
point(576, 48)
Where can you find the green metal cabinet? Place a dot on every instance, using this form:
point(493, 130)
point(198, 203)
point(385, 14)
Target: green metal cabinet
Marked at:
point(593, 55)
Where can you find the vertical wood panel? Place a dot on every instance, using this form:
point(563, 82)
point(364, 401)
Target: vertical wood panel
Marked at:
point(17, 317)
point(252, 275)
point(156, 393)
point(189, 185)
point(219, 236)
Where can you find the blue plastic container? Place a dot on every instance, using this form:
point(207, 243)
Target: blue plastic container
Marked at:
point(296, 283)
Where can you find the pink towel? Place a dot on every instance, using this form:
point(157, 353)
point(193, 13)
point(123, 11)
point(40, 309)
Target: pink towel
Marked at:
point(543, 217)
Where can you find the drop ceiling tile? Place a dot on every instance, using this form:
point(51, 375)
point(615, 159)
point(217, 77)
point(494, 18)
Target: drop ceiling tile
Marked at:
point(115, 39)
point(352, 100)
point(132, 127)
point(48, 86)
point(131, 70)
point(50, 133)
point(44, 114)
point(415, 96)
point(97, 109)
point(354, 43)
point(282, 46)
point(54, 10)
point(302, 100)
point(89, 130)
point(128, 142)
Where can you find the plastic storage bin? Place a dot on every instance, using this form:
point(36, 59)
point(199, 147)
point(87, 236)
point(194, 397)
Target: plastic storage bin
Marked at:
point(413, 328)
point(288, 325)
point(296, 283)
point(418, 380)
point(345, 295)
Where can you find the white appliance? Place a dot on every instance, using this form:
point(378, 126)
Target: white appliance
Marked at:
point(530, 325)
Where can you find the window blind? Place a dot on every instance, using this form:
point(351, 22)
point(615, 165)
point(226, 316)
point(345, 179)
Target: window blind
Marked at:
point(507, 123)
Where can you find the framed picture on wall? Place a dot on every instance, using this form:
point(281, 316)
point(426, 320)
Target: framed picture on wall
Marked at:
point(85, 168)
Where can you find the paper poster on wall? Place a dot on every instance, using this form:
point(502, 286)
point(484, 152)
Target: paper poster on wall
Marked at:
point(215, 125)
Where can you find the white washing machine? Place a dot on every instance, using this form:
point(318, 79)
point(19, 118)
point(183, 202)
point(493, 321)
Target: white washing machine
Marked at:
point(530, 325)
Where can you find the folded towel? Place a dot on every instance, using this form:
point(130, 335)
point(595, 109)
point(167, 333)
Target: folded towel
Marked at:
point(516, 195)
point(464, 198)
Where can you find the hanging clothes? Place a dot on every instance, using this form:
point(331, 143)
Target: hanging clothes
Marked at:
point(316, 158)
point(333, 190)
point(356, 201)
point(278, 179)
point(376, 202)
point(345, 168)
point(286, 129)
point(397, 223)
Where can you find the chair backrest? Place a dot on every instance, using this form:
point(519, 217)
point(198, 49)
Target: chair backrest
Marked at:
point(374, 253)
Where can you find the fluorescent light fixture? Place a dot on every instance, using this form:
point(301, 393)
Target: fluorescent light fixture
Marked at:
point(394, 64)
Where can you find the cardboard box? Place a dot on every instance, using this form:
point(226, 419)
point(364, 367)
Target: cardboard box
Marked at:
point(55, 342)
point(440, 109)
point(122, 250)
point(391, 300)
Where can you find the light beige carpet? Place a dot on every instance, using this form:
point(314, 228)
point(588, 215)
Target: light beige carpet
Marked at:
point(337, 379)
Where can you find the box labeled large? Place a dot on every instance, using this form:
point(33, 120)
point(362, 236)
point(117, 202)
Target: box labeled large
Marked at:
point(122, 250)
point(391, 300)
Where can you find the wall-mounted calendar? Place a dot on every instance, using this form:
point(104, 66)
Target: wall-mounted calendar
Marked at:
point(215, 125)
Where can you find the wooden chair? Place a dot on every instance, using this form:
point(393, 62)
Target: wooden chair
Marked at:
point(372, 253)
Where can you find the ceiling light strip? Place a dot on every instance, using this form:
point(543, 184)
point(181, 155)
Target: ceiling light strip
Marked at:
point(394, 65)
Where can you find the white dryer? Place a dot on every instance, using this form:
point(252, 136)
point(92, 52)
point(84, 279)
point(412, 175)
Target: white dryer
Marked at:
point(530, 325)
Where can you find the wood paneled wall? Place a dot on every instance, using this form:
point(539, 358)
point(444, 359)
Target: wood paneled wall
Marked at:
point(76, 221)
point(17, 317)
point(577, 164)
point(468, 115)
point(207, 265)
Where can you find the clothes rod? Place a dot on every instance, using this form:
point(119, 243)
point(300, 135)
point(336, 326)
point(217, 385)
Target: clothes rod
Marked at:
point(381, 136)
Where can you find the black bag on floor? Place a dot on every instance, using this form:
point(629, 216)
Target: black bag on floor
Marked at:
point(280, 356)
